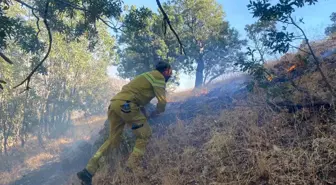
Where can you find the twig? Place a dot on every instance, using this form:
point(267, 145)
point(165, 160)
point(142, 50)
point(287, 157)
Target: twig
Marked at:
point(300, 89)
point(166, 19)
point(316, 60)
point(300, 49)
point(26, 5)
point(48, 52)
point(2, 82)
point(73, 6)
point(37, 23)
point(5, 58)
point(86, 10)
point(112, 27)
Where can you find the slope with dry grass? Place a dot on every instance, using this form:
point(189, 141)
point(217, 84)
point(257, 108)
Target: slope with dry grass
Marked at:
point(232, 136)
point(31, 164)
point(224, 134)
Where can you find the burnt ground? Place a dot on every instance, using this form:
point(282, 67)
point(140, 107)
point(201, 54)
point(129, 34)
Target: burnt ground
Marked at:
point(74, 158)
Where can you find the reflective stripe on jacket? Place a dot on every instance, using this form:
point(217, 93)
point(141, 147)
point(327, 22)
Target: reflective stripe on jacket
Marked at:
point(144, 88)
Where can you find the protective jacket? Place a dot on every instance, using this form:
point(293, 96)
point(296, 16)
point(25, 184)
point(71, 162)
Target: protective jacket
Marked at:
point(139, 92)
point(144, 88)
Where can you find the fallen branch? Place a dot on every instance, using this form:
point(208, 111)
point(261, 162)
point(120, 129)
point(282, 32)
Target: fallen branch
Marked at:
point(166, 20)
point(28, 78)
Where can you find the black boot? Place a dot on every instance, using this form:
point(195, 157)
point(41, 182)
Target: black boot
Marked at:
point(85, 177)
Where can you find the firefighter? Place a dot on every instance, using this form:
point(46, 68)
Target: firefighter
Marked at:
point(127, 108)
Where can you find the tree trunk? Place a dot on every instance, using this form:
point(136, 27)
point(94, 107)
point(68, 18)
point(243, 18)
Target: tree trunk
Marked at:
point(24, 123)
point(45, 119)
point(23, 141)
point(5, 138)
point(40, 132)
point(199, 72)
point(54, 117)
point(69, 118)
point(1, 147)
point(5, 146)
point(63, 118)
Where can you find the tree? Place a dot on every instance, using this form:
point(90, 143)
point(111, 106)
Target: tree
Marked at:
point(143, 44)
point(72, 79)
point(280, 41)
point(82, 17)
point(330, 30)
point(257, 33)
point(209, 41)
point(141, 47)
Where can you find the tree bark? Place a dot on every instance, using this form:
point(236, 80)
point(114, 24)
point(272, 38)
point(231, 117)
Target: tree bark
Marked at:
point(199, 72)
point(24, 123)
point(45, 117)
point(5, 146)
point(40, 132)
point(69, 118)
point(5, 136)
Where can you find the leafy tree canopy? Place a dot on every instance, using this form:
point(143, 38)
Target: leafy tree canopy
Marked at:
point(330, 30)
point(73, 18)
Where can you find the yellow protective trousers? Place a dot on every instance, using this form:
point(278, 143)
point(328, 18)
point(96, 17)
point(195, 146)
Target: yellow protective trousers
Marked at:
point(118, 119)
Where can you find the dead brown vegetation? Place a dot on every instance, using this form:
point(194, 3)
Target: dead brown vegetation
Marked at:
point(22, 161)
point(250, 143)
point(245, 145)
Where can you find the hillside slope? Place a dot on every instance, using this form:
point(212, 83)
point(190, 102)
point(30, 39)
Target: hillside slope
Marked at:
point(284, 134)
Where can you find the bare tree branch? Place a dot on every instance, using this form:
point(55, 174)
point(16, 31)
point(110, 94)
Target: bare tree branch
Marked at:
point(25, 4)
point(316, 60)
point(37, 22)
point(86, 10)
point(300, 49)
point(3, 56)
point(213, 78)
point(166, 19)
point(28, 78)
point(75, 7)
point(112, 27)
point(2, 82)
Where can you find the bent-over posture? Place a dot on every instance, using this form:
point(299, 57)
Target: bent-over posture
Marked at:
point(126, 108)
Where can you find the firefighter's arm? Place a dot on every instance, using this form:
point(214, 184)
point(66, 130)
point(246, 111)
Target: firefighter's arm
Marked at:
point(160, 93)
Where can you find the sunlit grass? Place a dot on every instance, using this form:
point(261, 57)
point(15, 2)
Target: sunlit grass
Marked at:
point(21, 161)
point(37, 161)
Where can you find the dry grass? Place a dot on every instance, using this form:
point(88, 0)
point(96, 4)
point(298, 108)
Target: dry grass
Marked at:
point(21, 161)
point(37, 161)
point(246, 145)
